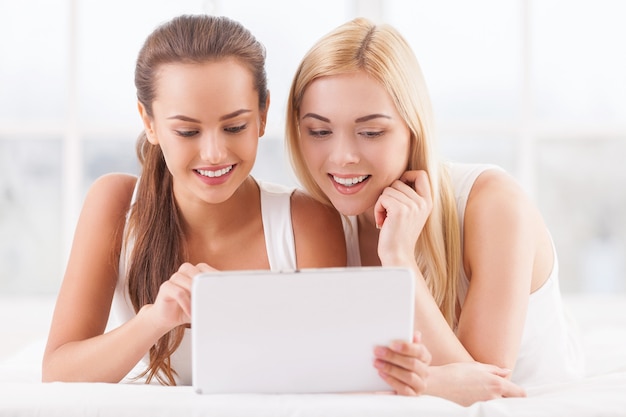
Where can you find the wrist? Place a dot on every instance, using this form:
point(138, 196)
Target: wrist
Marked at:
point(436, 379)
point(147, 314)
point(397, 258)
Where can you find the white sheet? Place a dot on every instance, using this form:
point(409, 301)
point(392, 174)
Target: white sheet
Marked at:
point(602, 321)
point(603, 395)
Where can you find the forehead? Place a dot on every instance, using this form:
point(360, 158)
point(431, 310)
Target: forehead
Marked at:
point(221, 81)
point(355, 92)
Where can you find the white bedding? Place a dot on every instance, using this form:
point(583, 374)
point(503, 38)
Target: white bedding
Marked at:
point(602, 321)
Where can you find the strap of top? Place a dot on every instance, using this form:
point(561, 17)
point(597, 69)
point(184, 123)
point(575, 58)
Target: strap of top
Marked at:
point(351, 234)
point(276, 214)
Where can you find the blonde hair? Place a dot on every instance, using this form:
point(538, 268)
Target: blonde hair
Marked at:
point(382, 53)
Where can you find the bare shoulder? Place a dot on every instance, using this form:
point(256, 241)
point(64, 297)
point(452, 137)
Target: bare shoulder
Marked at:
point(496, 192)
point(98, 233)
point(499, 217)
point(303, 202)
point(106, 204)
point(113, 188)
point(308, 212)
point(503, 222)
point(318, 232)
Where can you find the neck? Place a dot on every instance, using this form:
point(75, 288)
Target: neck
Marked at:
point(368, 239)
point(219, 219)
point(228, 235)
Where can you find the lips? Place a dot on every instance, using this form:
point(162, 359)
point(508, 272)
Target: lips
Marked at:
point(215, 172)
point(214, 176)
point(349, 181)
point(348, 184)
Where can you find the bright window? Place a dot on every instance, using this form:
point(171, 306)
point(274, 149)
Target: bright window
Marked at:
point(538, 87)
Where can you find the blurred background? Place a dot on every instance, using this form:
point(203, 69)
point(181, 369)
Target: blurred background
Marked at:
point(536, 86)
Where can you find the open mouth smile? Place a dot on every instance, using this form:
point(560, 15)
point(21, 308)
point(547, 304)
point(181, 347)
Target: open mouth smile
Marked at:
point(214, 173)
point(349, 182)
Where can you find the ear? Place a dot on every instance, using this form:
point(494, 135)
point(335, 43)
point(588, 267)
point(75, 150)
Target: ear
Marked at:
point(148, 125)
point(264, 116)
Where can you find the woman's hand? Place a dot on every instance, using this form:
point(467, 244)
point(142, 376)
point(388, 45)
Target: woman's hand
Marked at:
point(172, 306)
point(401, 213)
point(404, 366)
point(468, 382)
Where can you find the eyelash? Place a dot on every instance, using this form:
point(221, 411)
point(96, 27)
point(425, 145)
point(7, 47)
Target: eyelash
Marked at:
point(231, 130)
point(372, 135)
point(186, 133)
point(236, 129)
point(325, 133)
point(319, 133)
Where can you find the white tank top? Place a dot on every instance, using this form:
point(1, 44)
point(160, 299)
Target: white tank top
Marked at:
point(281, 252)
point(550, 350)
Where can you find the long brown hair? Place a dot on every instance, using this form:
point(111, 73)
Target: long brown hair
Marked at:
point(155, 231)
point(381, 52)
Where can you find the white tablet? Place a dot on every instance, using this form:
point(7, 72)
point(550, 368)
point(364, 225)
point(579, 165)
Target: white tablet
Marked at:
point(307, 331)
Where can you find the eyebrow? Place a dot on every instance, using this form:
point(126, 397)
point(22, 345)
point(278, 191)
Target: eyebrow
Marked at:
point(359, 120)
point(183, 118)
point(371, 116)
point(224, 117)
point(316, 116)
point(234, 114)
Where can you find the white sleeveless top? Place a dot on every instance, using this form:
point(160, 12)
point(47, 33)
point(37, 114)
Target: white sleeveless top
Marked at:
point(281, 252)
point(550, 351)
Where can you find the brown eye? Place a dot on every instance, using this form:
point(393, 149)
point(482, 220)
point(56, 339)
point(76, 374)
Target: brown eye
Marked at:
point(186, 133)
point(321, 133)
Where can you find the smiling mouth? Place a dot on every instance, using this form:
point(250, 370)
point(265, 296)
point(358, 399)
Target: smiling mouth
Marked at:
point(349, 182)
point(215, 173)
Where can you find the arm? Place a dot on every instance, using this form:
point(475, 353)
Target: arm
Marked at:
point(468, 382)
point(498, 258)
point(401, 213)
point(318, 233)
point(499, 241)
point(77, 348)
point(507, 254)
point(84, 300)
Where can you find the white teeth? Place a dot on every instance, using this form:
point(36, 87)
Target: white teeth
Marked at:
point(349, 182)
point(212, 174)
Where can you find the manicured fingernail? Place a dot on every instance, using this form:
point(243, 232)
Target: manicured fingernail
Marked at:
point(379, 351)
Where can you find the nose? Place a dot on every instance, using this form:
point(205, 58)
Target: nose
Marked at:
point(344, 150)
point(213, 148)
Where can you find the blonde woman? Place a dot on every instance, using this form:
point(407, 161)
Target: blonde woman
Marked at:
point(360, 135)
point(203, 99)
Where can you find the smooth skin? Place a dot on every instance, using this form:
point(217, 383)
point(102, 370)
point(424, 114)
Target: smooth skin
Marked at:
point(355, 144)
point(208, 132)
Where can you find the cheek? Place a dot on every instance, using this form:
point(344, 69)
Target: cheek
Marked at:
point(310, 155)
point(402, 150)
point(396, 160)
point(405, 161)
point(248, 147)
point(253, 146)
